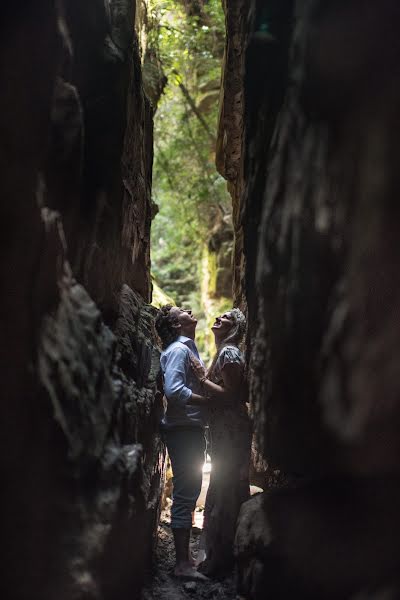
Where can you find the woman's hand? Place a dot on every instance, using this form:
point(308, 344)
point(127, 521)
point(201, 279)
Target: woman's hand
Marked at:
point(197, 368)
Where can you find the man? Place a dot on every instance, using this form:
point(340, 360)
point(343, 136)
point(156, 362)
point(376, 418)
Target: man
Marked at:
point(183, 424)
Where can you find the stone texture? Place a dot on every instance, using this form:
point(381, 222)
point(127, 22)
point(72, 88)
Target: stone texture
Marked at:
point(326, 260)
point(327, 539)
point(229, 155)
point(220, 243)
point(108, 117)
point(81, 460)
point(319, 229)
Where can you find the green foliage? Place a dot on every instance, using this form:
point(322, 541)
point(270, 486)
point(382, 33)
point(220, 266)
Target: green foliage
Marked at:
point(159, 297)
point(192, 45)
point(186, 185)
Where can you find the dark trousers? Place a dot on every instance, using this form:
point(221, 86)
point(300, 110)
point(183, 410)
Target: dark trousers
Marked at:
point(186, 449)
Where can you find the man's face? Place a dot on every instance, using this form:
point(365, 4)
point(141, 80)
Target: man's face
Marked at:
point(185, 319)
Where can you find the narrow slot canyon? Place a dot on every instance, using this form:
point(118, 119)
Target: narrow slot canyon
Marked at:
point(210, 155)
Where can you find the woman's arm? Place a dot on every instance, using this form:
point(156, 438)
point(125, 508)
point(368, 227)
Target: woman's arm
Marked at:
point(232, 376)
point(198, 400)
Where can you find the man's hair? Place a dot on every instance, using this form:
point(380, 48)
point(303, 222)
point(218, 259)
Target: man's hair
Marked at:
point(166, 326)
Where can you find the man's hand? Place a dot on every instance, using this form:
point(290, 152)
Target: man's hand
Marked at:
point(197, 368)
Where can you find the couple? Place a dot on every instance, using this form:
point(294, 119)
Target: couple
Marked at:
point(195, 397)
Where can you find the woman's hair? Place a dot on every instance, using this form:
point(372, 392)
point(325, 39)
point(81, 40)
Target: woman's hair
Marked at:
point(166, 326)
point(234, 336)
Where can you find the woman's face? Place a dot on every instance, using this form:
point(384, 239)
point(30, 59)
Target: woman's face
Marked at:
point(223, 324)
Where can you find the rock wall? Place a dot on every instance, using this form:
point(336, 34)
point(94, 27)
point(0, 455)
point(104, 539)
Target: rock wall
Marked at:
point(229, 151)
point(319, 229)
point(81, 461)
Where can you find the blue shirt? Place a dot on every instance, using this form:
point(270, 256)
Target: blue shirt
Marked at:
point(179, 383)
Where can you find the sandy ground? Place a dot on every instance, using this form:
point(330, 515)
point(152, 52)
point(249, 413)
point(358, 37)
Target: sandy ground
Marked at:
point(164, 586)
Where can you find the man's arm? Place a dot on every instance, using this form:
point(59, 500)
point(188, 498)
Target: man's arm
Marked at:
point(175, 379)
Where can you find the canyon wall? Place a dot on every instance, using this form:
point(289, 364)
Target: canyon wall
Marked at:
point(314, 183)
point(81, 460)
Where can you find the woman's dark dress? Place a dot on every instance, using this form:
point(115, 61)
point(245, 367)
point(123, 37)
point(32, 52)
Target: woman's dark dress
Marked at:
point(230, 435)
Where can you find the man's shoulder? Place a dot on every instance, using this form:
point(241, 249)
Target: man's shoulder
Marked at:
point(176, 347)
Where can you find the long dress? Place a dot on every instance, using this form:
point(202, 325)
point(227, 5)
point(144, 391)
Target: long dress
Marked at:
point(230, 434)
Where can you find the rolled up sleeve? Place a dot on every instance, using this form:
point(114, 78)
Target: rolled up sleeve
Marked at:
point(175, 377)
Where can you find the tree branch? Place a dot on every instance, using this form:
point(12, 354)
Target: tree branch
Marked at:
point(193, 106)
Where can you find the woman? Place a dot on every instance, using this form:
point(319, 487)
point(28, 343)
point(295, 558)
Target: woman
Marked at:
point(230, 435)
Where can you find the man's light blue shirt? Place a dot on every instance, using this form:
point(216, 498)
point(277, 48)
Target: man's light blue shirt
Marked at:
point(179, 383)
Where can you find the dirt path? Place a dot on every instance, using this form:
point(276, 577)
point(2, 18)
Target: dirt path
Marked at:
point(164, 586)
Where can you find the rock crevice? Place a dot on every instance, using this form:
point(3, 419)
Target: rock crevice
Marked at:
point(317, 179)
point(82, 461)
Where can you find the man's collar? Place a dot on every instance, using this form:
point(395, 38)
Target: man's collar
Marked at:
point(184, 339)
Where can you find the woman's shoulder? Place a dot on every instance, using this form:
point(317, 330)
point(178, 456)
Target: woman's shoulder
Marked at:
point(230, 354)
